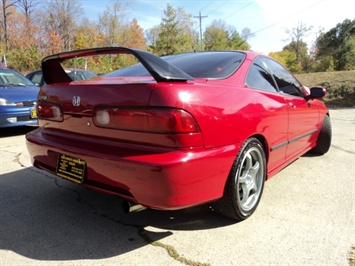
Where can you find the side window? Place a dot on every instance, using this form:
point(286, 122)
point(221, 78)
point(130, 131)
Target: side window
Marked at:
point(37, 77)
point(259, 78)
point(284, 79)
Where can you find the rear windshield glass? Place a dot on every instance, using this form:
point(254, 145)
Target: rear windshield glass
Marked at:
point(209, 65)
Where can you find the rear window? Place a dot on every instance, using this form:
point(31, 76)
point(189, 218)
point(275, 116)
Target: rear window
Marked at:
point(209, 65)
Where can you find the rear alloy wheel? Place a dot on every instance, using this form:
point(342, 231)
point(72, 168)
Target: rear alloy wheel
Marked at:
point(245, 182)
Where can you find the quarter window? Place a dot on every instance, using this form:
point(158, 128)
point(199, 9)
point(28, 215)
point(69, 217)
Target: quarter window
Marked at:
point(259, 78)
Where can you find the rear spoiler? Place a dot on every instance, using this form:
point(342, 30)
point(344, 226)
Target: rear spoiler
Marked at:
point(160, 70)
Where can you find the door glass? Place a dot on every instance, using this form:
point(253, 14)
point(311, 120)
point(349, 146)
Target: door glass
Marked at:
point(284, 79)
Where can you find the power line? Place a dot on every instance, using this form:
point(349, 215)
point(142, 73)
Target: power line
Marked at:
point(288, 17)
point(240, 9)
point(218, 7)
point(206, 5)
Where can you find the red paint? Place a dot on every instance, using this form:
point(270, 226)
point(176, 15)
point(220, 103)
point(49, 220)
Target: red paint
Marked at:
point(167, 170)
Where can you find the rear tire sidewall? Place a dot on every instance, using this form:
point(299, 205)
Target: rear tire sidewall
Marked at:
point(230, 205)
point(251, 144)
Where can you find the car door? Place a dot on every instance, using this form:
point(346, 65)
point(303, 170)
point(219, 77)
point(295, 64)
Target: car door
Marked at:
point(275, 121)
point(303, 115)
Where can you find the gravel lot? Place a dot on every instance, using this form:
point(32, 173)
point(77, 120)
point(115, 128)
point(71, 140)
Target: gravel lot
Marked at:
point(306, 217)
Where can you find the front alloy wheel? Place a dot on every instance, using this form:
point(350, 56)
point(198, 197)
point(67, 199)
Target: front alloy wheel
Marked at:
point(245, 182)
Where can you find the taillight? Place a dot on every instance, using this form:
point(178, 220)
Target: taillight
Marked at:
point(156, 120)
point(49, 111)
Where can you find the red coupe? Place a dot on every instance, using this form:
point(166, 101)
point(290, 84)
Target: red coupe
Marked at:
point(177, 131)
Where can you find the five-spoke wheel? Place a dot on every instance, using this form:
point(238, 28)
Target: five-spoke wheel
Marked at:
point(245, 182)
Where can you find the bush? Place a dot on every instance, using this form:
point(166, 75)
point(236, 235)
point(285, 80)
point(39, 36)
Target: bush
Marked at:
point(340, 86)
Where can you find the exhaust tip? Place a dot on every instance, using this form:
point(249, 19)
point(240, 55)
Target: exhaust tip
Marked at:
point(129, 207)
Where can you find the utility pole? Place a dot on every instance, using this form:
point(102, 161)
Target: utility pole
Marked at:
point(200, 18)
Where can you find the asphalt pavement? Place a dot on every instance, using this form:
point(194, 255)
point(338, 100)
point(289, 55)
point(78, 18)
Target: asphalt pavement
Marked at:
point(306, 217)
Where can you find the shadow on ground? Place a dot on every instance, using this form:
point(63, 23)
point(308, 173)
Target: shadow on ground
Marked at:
point(46, 218)
point(15, 131)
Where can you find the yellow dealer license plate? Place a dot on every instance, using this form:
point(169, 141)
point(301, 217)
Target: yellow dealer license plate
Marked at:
point(33, 113)
point(71, 168)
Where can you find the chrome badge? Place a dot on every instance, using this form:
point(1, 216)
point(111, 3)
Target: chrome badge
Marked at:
point(76, 100)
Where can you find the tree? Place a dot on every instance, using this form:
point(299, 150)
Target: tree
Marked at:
point(297, 44)
point(62, 19)
point(236, 42)
point(27, 8)
point(7, 8)
point(337, 47)
point(288, 59)
point(176, 34)
point(109, 24)
point(87, 35)
point(216, 36)
point(133, 36)
point(112, 24)
point(152, 36)
point(247, 34)
point(301, 59)
point(220, 36)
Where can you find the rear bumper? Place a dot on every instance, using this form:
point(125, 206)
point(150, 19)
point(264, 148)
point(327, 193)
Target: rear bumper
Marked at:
point(151, 176)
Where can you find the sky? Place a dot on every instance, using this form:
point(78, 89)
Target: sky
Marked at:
point(268, 19)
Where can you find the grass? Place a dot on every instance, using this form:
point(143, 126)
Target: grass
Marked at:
point(340, 86)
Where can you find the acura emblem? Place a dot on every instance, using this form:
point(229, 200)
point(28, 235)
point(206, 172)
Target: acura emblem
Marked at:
point(76, 100)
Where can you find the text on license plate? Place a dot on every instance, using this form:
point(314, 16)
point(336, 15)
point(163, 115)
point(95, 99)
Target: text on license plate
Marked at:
point(71, 168)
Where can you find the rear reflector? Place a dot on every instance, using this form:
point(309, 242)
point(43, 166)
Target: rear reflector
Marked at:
point(49, 111)
point(156, 120)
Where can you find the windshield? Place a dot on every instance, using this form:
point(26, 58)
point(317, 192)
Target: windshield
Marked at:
point(209, 65)
point(80, 74)
point(10, 77)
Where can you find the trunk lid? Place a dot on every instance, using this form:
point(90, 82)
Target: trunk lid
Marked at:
point(80, 98)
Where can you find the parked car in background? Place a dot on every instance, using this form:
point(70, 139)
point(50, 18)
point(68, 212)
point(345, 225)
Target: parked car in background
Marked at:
point(18, 97)
point(75, 74)
point(177, 131)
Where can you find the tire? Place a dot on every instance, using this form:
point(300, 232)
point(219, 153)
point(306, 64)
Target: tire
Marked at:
point(324, 138)
point(245, 182)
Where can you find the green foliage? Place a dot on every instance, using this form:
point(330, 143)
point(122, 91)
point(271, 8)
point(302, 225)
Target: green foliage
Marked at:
point(24, 59)
point(55, 27)
point(297, 45)
point(288, 59)
point(236, 42)
point(101, 64)
point(334, 50)
point(339, 43)
point(175, 34)
point(326, 63)
point(218, 36)
point(301, 62)
point(340, 86)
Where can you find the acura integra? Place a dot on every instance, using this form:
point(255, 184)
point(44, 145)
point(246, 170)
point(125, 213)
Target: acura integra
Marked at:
point(177, 131)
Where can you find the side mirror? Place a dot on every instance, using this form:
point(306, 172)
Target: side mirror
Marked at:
point(316, 93)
